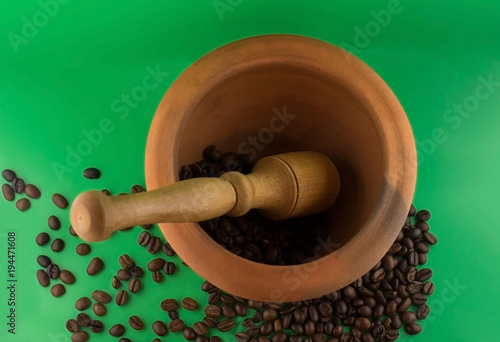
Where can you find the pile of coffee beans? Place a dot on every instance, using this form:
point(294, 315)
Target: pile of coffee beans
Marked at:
point(252, 236)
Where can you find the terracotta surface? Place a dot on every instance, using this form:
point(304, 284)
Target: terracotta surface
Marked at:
point(336, 105)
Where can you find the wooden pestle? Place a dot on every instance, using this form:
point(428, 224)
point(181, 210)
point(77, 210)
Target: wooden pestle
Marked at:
point(281, 186)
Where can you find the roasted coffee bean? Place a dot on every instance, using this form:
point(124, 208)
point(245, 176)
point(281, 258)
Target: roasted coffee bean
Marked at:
point(423, 311)
point(136, 271)
point(117, 330)
point(423, 215)
point(67, 277)
point(42, 239)
point(410, 276)
point(242, 337)
point(168, 250)
point(121, 297)
point(200, 328)
point(169, 305)
point(83, 319)
point(266, 328)
point(18, 185)
point(391, 308)
point(428, 288)
point(123, 274)
point(72, 231)
point(32, 191)
point(72, 325)
point(134, 285)
point(9, 175)
point(176, 325)
point(280, 336)
point(213, 311)
point(404, 305)
point(159, 328)
point(60, 201)
point(225, 325)
point(143, 238)
point(126, 262)
point(430, 238)
point(23, 204)
point(418, 299)
point(96, 326)
point(115, 282)
point(210, 322)
point(240, 309)
point(53, 271)
point(54, 222)
point(91, 173)
point(157, 276)
point(136, 189)
point(135, 322)
point(270, 315)
point(408, 317)
point(101, 296)
point(423, 226)
point(95, 265)
point(414, 287)
point(215, 339)
point(225, 298)
point(421, 247)
point(213, 298)
point(228, 311)
point(247, 322)
point(169, 268)
point(156, 264)
point(313, 312)
point(82, 303)
point(424, 274)
point(99, 309)
point(391, 334)
point(8, 193)
point(189, 334)
point(80, 336)
point(43, 278)
point(153, 245)
point(83, 249)
point(189, 304)
point(57, 245)
point(396, 322)
point(362, 323)
point(413, 329)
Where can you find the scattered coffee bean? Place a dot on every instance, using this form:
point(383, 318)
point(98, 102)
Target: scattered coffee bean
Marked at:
point(80, 336)
point(189, 304)
point(18, 185)
point(23, 204)
point(53, 271)
point(72, 231)
point(43, 260)
point(213, 311)
point(134, 285)
point(8, 193)
point(115, 282)
point(413, 329)
point(189, 334)
point(43, 278)
point(430, 238)
point(136, 189)
point(200, 328)
point(91, 173)
point(99, 309)
point(157, 276)
point(423, 215)
point(72, 325)
point(135, 322)
point(67, 277)
point(83, 249)
point(216, 339)
point(32, 191)
point(169, 305)
point(60, 201)
point(159, 328)
point(8, 175)
point(240, 309)
point(121, 298)
point(228, 311)
point(176, 325)
point(96, 326)
point(153, 245)
point(428, 288)
point(42, 239)
point(83, 319)
point(169, 268)
point(95, 265)
point(143, 238)
point(101, 296)
point(243, 337)
point(126, 262)
point(54, 222)
point(136, 271)
point(173, 314)
point(423, 311)
point(156, 264)
point(57, 245)
point(225, 325)
point(168, 250)
point(117, 330)
point(82, 303)
point(409, 317)
point(123, 274)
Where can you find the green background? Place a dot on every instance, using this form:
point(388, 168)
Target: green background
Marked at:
point(60, 80)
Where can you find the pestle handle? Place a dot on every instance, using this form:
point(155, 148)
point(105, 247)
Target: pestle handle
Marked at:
point(95, 216)
point(282, 186)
